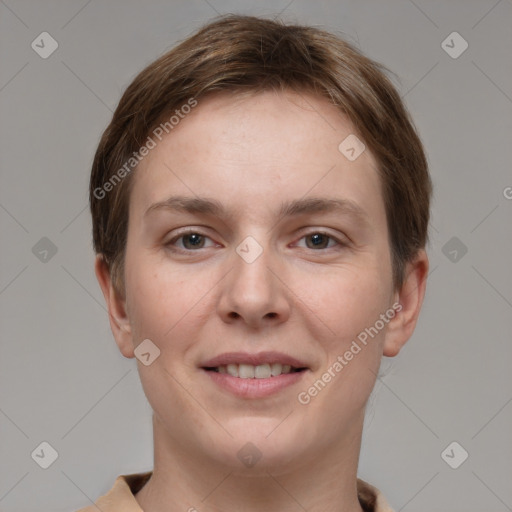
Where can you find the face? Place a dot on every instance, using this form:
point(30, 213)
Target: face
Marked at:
point(254, 241)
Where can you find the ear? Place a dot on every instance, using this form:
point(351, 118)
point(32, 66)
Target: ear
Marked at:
point(119, 320)
point(410, 298)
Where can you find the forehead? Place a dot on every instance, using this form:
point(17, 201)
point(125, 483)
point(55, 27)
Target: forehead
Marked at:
point(252, 152)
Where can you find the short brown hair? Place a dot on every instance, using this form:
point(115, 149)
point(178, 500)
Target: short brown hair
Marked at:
point(245, 53)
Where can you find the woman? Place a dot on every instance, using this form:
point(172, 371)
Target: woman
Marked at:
point(260, 203)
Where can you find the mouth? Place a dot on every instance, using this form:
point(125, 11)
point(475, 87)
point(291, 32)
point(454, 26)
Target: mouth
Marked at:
point(249, 371)
point(254, 375)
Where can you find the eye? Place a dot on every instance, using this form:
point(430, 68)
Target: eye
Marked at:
point(320, 240)
point(190, 240)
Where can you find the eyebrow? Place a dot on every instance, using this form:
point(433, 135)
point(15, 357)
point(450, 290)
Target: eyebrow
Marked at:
point(206, 206)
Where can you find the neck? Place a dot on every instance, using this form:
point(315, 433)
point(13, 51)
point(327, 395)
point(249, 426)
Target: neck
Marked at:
point(324, 482)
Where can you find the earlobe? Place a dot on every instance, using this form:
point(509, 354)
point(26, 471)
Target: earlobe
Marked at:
point(116, 306)
point(410, 298)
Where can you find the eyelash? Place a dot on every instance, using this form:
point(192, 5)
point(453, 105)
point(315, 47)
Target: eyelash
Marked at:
point(171, 242)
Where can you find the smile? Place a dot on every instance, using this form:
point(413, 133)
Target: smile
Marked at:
point(261, 371)
point(254, 375)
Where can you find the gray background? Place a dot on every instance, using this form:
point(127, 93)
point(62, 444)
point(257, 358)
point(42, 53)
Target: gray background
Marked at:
point(62, 379)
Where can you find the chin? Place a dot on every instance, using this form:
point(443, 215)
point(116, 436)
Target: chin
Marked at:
point(264, 444)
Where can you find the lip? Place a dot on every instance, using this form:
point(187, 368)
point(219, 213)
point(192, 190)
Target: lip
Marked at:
point(254, 388)
point(253, 359)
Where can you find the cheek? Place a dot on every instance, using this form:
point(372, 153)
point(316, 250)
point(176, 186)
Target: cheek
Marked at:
point(156, 299)
point(168, 306)
point(351, 307)
point(353, 299)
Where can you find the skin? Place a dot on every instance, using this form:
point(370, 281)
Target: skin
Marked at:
point(311, 302)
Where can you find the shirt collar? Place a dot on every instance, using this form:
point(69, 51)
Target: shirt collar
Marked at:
point(121, 496)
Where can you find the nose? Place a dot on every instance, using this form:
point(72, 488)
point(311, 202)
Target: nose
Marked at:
point(253, 292)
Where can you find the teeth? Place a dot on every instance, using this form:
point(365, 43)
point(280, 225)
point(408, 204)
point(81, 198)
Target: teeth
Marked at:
point(262, 371)
point(248, 371)
point(232, 369)
point(276, 369)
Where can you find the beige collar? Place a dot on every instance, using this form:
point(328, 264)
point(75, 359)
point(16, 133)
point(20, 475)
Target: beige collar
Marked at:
point(121, 498)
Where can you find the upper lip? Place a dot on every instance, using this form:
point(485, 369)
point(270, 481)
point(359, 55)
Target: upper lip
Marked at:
point(253, 359)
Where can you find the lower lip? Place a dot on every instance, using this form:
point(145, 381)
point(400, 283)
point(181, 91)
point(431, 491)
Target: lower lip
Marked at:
point(255, 388)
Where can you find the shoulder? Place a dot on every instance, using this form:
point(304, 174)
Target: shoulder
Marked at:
point(120, 498)
point(371, 499)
